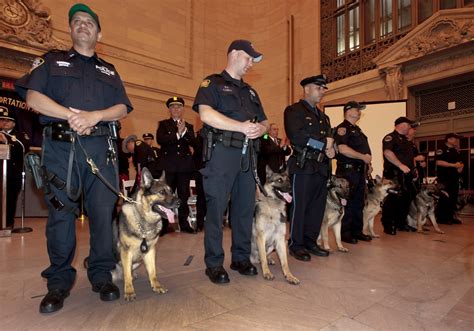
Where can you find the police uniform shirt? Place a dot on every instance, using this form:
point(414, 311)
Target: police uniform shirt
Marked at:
point(74, 80)
point(145, 156)
point(352, 136)
point(231, 97)
point(401, 147)
point(449, 155)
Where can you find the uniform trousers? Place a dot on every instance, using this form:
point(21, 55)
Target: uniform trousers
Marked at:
point(99, 203)
point(13, 189)
point(223, 177)
point(352, 222)
point(447, 205)
point(179, 182)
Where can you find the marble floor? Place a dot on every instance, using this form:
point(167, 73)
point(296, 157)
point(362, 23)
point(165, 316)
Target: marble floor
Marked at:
point(405, 282)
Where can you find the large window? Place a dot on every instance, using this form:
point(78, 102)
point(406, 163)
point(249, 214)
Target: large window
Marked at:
point(354, 28)
point(385, 18)
point(404, 15)
point(341, 35)
point(425, 9)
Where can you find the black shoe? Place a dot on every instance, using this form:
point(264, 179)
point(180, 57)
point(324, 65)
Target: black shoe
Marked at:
point(187, 229)
point(412, 229)
point(363, 237)
point(318, 251)
point(217, 275)
point(349, 240)
point(53, 301)
point(244, 268)
point(108, 291)
point(456, 221)
point(405, 228)
point(300, 254)
point(391, 232)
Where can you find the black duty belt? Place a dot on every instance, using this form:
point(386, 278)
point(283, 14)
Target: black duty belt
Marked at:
point(229, 138)
point(314, 155)
point(353, 167)
point(61, 131)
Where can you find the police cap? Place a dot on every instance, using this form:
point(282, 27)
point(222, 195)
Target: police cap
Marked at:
point(5, 114)
point(148, 136)
point(174, 101)
point(320, 80)
point(404, 119)
point(452, 135)
point(247, 47)
point(86, 9)
point(353, 104)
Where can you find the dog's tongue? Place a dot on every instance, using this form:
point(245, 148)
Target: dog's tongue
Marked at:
point(288, 198)
point(343, 202)
point(169, 214)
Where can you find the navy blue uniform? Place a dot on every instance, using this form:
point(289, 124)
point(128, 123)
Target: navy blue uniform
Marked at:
point(449, 178)
point(303, 121)
point(222, 174)
point(396, 206)
point(89, 84)
point(354, 171)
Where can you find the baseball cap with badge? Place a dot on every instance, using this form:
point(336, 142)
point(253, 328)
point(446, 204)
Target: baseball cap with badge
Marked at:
point(148, 136)
point(5, 114)
point(404, 119)
point(175, 101)
point(320, 80)
point(452, 135)
point(353, 104)
point(86, 9)
point(247, 47)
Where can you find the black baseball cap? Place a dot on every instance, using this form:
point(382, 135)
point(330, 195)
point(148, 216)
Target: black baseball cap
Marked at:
point(353, 104)
point(247, 47)
point(86, 9)
point(320, 80)
point(174, 101)
point(404, 119)
point(452, 135)
point(148, 136)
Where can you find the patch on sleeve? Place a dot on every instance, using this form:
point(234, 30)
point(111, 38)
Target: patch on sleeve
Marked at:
point(387, 138)
point(36, 63)
point(205, 83)
point(341, 131)
point(439, 152)
point(138, 142)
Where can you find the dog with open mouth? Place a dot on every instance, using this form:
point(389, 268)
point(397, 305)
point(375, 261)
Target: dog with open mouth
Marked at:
point(423, 207)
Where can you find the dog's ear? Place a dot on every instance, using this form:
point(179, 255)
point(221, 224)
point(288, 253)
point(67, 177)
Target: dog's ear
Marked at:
point(163, 177)
point(378, 179)
point(147, 179)
point(268, 171)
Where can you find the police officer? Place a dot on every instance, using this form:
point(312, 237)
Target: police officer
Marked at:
point(398, 165)
point(448, 169)
point(353, 163)
point(420, 160)
point(78, 95)
point(233, 116)
point(273, 151)
point(309, 131)
point(176, 138)
point(11, 136)
point(148, 138)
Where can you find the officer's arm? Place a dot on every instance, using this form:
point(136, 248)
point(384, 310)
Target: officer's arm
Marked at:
point(393, 158)
point(45, 105)
point(442, 163)
point(350, 153)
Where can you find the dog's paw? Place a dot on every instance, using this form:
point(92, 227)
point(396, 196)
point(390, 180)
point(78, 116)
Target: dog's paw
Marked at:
point(159, 289)
point(439, 231)
point(268, 276)
point(328, 249)
point(375, 235)
point(342, 249)
point(271, 261)
point(292, 280)
point(130, 296)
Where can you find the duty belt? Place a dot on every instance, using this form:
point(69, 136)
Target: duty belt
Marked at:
point(355, 167)
point(62, 131)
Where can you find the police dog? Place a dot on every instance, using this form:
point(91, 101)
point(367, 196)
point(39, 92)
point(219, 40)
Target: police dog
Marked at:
point(423, 206)
point(338, 193)
point(269, 226)
point(379, 189)
point(138, 228)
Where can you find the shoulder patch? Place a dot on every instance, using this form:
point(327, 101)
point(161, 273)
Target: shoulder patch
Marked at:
point(36, 63)
point(205, 83)
point(341, 131)
point(388, 138)
point(138, 142)
point(439, 152)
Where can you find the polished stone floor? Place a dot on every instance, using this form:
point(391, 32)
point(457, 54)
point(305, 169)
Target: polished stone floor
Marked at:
point(406, 282)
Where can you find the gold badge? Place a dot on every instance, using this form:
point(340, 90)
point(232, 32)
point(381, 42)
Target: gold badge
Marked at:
point(138, 142)
point(205, 83)
point(36, 63)
point(341, 131)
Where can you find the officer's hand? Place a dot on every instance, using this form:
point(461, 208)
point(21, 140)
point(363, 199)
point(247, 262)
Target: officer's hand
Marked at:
point(423, 164)
point(253, 130)
point(404, 168)
point(330, 152)
point(85, 132)
point(367, 158)
point(181, 126)
point(3, 139)
point(80, 120)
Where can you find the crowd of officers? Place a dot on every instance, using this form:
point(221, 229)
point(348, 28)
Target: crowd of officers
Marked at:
point(80, 97)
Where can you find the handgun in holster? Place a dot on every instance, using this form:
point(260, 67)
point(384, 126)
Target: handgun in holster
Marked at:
point(207, 136)
point(301, 157)
point(33, 161)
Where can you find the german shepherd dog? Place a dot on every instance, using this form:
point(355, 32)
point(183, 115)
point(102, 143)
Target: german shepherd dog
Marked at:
point(373, 203)
point(423, 206)
point(269, 226)
point(338, 192)
point(137, 231)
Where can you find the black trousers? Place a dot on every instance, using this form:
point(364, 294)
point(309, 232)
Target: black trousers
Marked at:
point(308, 206)
point(13, 190)
point(353, 222)
point(179, 181)
point(99, 203)
point(223, 177)
point(447, 205)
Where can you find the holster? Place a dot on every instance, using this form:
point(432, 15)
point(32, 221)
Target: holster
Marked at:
point(33, 162)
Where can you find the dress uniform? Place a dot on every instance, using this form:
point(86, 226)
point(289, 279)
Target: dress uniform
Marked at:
point(15, 139)
point(355, 171)
point(227, 171)
point(77, 79)
point(396, 205)
point(306, 125)
point(176, 160)
point(448, 177)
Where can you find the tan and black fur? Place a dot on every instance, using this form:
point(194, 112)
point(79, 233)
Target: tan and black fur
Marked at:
point(375, 196)
point(269, 227)
point(338, 193)
point(138, 228)
point(423, 206)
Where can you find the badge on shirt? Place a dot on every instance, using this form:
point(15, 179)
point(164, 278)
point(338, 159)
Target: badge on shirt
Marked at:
point(27, 137)
point(105, 70)
point(252, 93)
point(387, 138)
point(64, 64)
point(36, 63)
point(341, 131)
point(205, 83)
point(138, 142)
point(439, 152)
point(227, 89)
